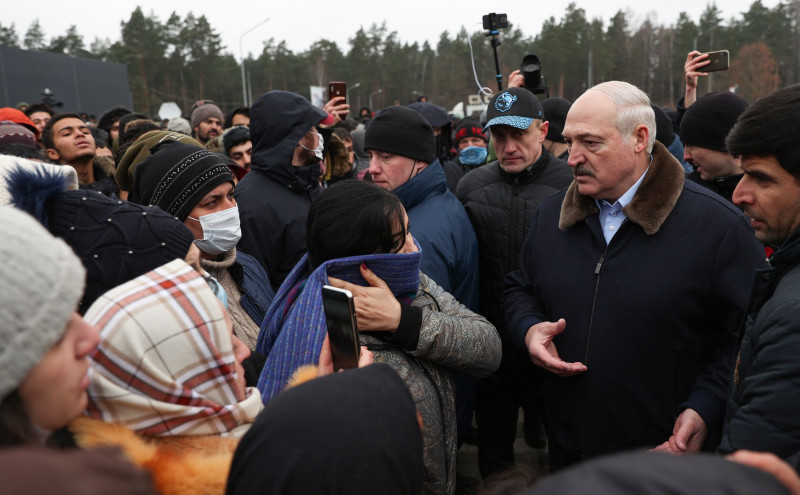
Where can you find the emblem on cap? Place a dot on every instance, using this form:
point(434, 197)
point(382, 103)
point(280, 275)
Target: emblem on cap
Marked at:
point(504, 101)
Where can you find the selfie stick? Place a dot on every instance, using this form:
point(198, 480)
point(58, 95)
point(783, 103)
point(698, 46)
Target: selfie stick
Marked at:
point(495, 42)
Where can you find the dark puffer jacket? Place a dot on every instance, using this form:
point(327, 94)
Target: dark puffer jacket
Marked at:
point(274, 198)
point(500, 206)
point(765, 395)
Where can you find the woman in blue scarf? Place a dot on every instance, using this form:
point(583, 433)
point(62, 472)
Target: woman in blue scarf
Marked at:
point(359, 239)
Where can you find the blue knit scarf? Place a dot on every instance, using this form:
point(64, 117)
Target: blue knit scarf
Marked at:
point(292, 333)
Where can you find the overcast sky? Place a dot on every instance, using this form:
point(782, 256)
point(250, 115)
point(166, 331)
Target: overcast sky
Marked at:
point(302, 23)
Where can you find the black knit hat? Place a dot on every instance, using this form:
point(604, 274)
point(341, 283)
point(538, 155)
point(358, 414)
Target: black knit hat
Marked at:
point(116, 241)
point(664, 134)
point(708, 120)
point(515, 107)
point(176, 176)
point(401, 131)
point(469, 128)
point(235, 136)
point(555, 111)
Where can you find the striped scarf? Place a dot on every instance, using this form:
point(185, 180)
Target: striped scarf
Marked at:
point(294, 328)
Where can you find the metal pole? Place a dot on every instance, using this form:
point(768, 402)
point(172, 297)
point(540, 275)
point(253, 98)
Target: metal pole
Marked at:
point(370, 99)
point(241, 55)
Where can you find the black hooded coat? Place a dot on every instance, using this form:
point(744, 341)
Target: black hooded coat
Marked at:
point(275, 196)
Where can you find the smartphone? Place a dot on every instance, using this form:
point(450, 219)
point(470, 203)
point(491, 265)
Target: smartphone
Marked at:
point(337, 88)
point(340, 318)
point(719, 60)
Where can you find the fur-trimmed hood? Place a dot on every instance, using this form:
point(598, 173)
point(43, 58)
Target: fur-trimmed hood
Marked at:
point(652, 203)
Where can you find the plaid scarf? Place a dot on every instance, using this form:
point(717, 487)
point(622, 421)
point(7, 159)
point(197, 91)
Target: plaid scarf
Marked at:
point(293, 331)
point(165, 363)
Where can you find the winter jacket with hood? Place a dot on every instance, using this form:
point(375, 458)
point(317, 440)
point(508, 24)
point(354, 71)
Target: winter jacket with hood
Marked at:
point(654, 314)
point(275, 196)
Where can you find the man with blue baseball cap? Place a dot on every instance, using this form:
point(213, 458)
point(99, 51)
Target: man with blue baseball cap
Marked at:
point(500, 199)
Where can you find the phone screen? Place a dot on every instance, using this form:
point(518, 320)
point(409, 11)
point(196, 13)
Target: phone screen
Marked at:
point(340, 319)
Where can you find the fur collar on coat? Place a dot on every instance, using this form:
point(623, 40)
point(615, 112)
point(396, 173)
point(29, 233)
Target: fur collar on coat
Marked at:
point(652, 203)
point(179, 465)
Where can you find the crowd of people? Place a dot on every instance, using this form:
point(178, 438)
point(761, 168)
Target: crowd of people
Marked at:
point(622, 273)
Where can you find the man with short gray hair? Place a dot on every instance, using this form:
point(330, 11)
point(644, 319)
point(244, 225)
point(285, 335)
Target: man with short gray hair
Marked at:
point(631, 288)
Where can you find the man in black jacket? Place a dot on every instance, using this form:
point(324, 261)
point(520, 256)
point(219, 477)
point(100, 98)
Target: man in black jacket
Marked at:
point(500, 199)
point(275, 196)
point(765, 394)
point(631, 288)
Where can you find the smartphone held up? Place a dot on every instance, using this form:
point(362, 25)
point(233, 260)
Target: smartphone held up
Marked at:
point(340, 318)
point(718, 60)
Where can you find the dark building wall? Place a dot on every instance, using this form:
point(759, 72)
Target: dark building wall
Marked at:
point(82, 84)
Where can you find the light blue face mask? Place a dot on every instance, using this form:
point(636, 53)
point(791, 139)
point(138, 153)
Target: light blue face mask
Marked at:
point(216, 287)
point(473, 155)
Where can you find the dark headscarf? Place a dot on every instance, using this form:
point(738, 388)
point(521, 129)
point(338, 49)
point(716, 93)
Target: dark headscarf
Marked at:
point(349, 433)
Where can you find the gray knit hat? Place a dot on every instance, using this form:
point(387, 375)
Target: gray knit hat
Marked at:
point(41, 282)
point(205, 110)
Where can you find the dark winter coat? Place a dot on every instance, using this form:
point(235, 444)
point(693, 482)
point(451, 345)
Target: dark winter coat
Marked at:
point(274, 198)
point(501, 206)
point(723, 186)
point(764, 407)
point(441, 226)
point(653, 315)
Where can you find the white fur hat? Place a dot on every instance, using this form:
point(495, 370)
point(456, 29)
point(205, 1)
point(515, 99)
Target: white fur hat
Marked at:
point(41, 282)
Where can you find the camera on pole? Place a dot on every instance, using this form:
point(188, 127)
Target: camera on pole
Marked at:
point(493, 23)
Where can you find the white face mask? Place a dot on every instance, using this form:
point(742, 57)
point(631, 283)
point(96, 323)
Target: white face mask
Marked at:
point(319, 148)
point(221, 231)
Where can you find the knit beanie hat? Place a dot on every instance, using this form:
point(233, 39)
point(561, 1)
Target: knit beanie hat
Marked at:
point(709, 119)
point(17, 117)
point(235, 136)
point(176, 176)
point(469, 128)
point(435, 116)
point(664, 133)
point(401, 131)
point(116, 240)
point(12, 133)
point(205, 111)
point(515, 107)
point(179, 124)
point(41, 281)
point(555, 111)
point(140, 150)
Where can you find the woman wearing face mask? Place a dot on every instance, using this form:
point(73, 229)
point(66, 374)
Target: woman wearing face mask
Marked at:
point(196, 187)
point(471, 143)
point(359, 239)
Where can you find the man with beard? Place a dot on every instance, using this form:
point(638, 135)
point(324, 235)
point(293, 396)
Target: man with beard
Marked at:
point(274, 197)
point(206, 121)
